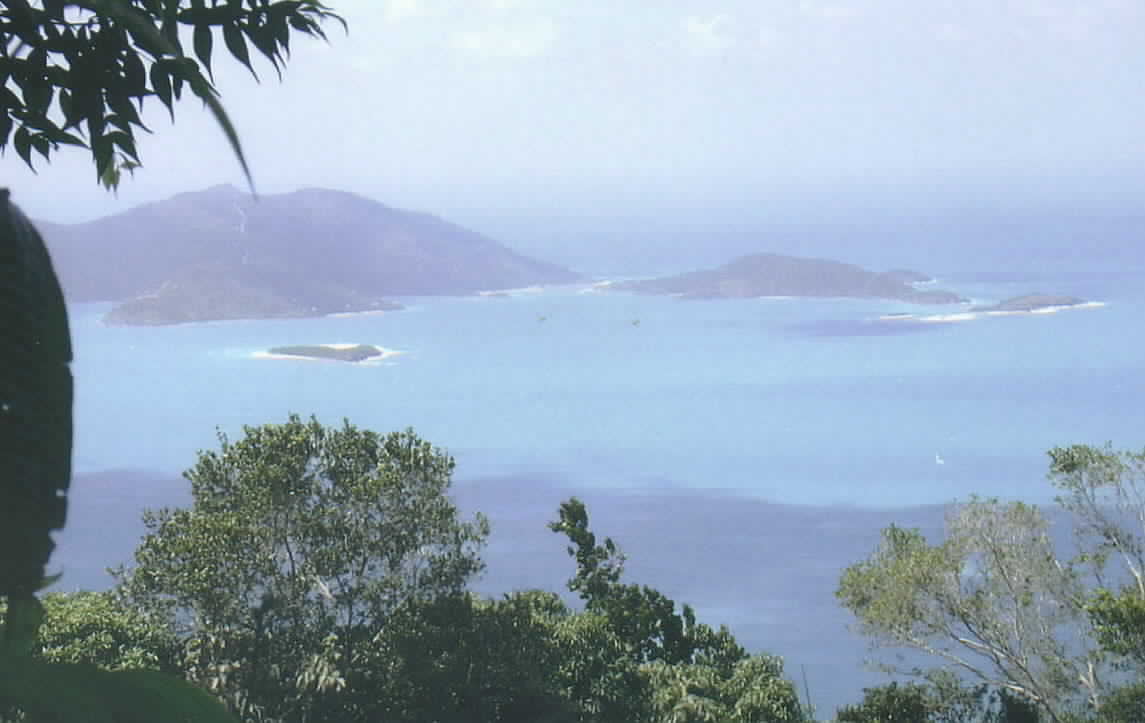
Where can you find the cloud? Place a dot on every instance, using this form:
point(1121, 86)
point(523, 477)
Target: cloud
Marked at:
point(831, 11)
point(522, 39)
point(706, 36)
point(768, 37)
point(397, 10)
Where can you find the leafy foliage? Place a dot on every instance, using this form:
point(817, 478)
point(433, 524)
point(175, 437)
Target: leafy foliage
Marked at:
point(991, 600)
point(36, 445)
point(1105, 491)
point(940, 700)
point(1124, 705)
point(658, 664)
point(891, 703)
point(78, 72)
point(302, 542)
point(459, 658)
point(97, 628)
point(641, 616)
point(1119, 624)
point(753, 689)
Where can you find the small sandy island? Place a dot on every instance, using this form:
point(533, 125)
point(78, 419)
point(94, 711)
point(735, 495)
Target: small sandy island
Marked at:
point(1018, 306)
point(353, 353)
point(505, 293)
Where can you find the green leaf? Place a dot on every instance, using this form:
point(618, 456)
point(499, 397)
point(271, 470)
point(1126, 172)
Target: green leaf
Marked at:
point(78, 692)
point(125, 142)
point(72, 116)
point(263, 38)
point(42, 145)
point(134, 74)
point(21, 622)
point(38, 97)
point(236, 43)
point(161, 83)
point(109, 178)
point(5, 128)
point(104, 151)
point(203, 40)
point(23, 143)
point(124, 109)
point(206, 93)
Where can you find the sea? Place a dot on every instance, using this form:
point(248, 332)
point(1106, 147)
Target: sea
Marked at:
point(741, 452)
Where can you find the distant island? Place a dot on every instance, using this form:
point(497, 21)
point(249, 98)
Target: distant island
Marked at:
point(775, 275)
point(219, 254)
point(1018, 305)
point(1032, 302)
point(334, 352)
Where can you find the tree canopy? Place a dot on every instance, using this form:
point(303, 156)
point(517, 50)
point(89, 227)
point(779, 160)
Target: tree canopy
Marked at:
point(302, 541)
point(78, 72)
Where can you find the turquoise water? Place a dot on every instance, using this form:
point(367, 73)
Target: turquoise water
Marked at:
point(793, 401)
point(741, 452)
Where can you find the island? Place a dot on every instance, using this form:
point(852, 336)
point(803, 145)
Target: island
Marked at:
point(761, 275)
point(334, 352)
point(1031, 303)
point(911, 277)
point(217, 254)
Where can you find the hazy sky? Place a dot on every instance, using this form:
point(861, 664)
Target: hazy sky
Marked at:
point(479, 109)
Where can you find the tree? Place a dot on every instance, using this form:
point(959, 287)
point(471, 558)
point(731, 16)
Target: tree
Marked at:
point(1124, 705)
point(992, 601)
point(302, 541)
point(1105, 492)
point(891, 703)
point(643, 617)
point(459, 659)
point(751, 691)
point(97, 628)
point(942, 699)
point(650, 662)
point(35, 450)
point(77, 72)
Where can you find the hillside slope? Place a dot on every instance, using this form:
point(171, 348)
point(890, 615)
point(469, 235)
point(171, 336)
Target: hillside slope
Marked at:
point(218, 254)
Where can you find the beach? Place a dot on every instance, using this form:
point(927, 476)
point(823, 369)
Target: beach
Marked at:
point(383, 356)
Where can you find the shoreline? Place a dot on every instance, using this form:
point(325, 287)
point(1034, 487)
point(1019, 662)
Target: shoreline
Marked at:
point(385, 354)
point(518, 291)
point(349, 314)
point(976, 315)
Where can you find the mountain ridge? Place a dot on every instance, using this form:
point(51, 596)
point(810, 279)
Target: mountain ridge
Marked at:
point(220, 254)
point(767, 274)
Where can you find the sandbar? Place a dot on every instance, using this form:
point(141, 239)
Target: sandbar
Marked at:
point(382, 355)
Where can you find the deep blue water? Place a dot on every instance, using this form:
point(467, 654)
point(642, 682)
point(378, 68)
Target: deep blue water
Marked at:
point(741, 451)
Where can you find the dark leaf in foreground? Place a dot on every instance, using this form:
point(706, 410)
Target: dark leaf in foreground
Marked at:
point(35, 404)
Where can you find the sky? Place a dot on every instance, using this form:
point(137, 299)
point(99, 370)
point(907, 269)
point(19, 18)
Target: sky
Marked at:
point(509, 115)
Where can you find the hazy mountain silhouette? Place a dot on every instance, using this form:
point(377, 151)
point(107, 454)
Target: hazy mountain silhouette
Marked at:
point(777, 275)
point(219, 254)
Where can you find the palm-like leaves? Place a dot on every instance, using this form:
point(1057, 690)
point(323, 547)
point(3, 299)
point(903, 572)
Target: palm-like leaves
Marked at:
point(78, 72)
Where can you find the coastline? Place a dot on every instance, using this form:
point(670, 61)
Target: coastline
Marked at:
point(975, 315)
point(385, 354)
point(495, 293)
point(349, 314)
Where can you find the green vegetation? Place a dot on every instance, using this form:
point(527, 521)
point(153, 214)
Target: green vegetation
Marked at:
point(777, 275)
point(321, 574)
point(302, 543)
point(1032, 302)
point(360, 352)
point(1055, 639)
point(81, 67)
point(73, 73)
